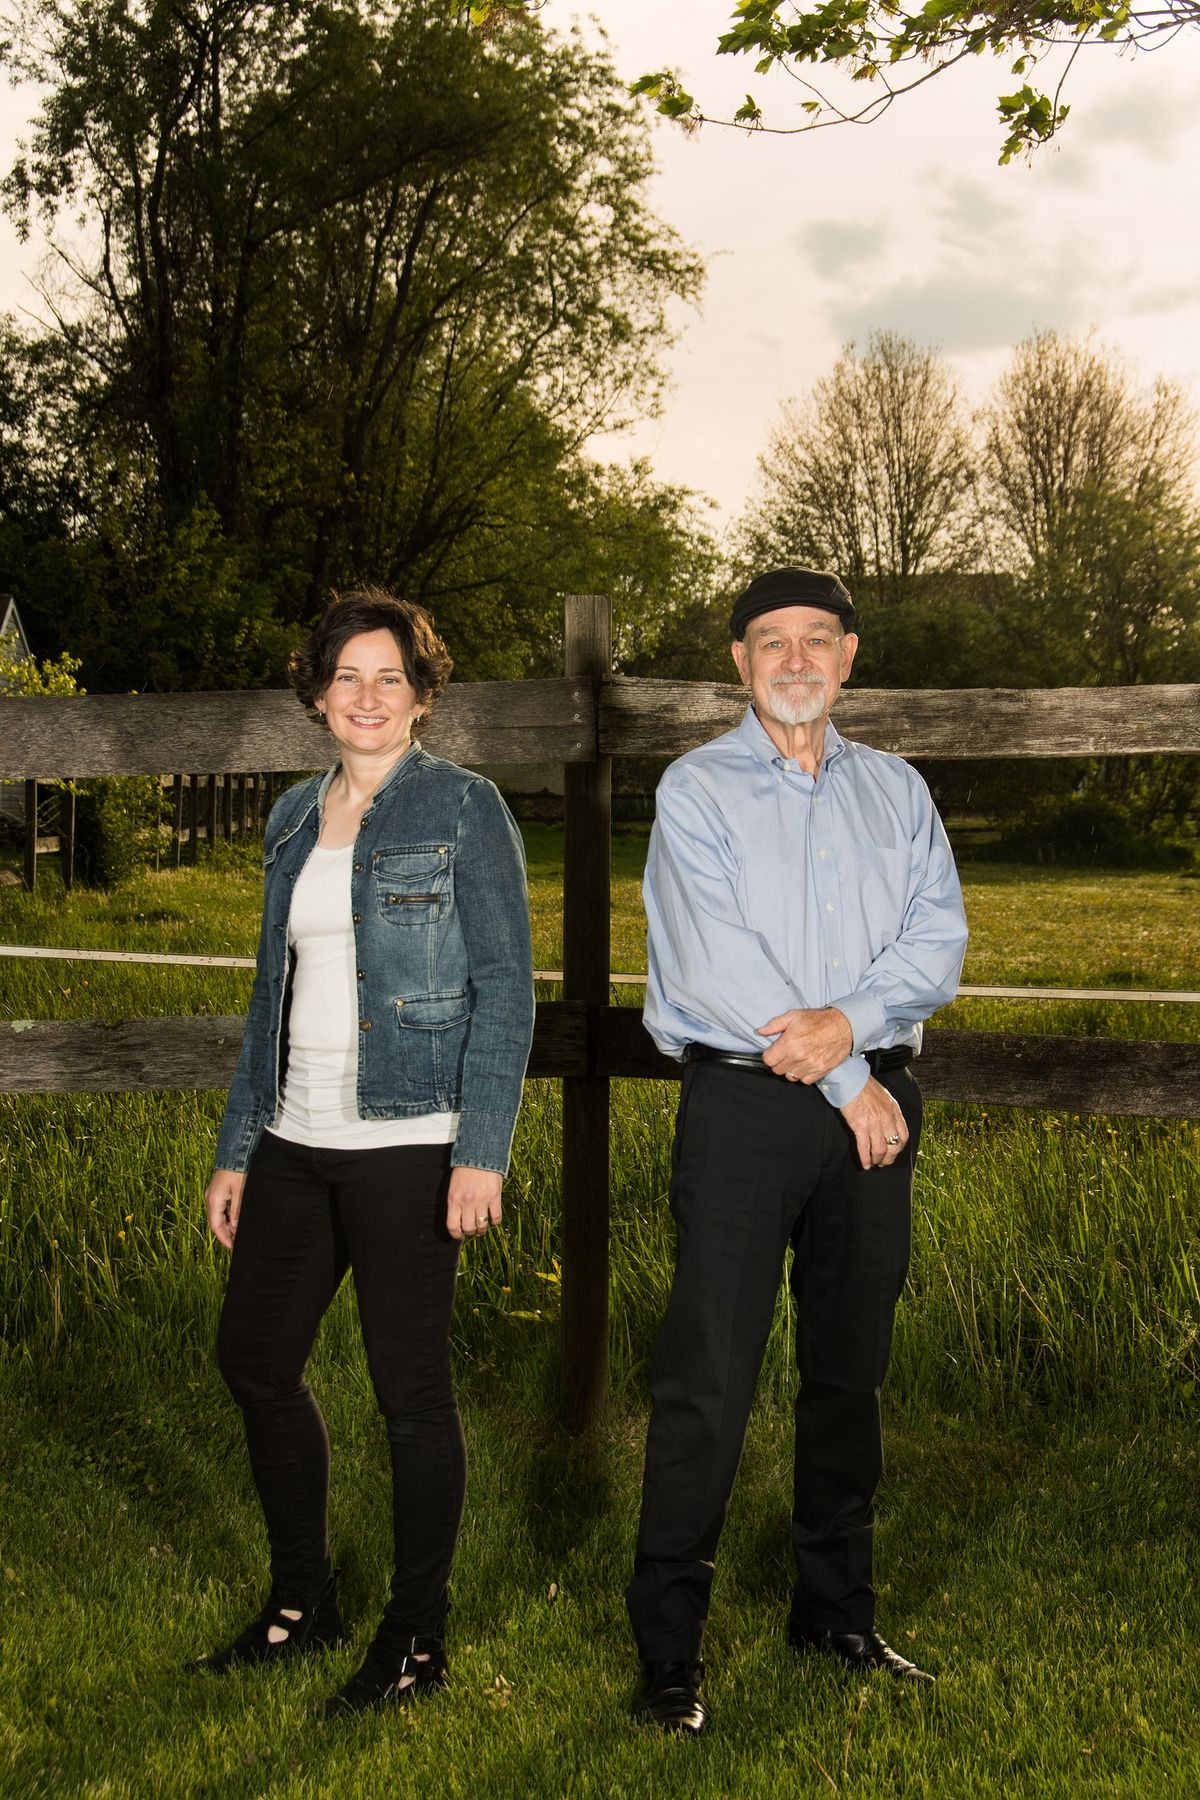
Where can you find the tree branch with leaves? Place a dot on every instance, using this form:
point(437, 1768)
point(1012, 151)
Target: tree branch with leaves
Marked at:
point(886, 49)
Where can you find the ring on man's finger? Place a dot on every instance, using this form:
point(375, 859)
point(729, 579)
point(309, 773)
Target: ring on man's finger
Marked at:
point(894, 1140)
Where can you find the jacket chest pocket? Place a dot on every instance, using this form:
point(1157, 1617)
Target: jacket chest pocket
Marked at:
point(412, 883)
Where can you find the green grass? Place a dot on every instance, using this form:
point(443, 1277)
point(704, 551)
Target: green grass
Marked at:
point(1046, 1572)
point(1038, 1522)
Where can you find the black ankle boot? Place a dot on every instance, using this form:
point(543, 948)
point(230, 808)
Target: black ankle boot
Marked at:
point(318, 1628)
point(396, 1669)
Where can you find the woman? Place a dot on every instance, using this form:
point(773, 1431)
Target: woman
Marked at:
point(368, 1125)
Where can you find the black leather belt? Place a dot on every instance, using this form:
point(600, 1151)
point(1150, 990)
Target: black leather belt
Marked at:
point(879, 1060)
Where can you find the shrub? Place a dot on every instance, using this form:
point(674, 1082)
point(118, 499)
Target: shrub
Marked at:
point(1090, 828)
point(116, 826)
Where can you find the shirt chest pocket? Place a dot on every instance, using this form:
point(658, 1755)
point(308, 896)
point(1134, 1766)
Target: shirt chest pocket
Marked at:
point(412, 883)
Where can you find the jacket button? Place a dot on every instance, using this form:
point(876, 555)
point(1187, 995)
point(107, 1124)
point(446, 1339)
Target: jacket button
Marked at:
point(366, 819)
point(356, 919)
point(358, 868)
point(362, 974)
point(364, 1025)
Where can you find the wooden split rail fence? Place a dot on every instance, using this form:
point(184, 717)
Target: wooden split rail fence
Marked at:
point(583, 720)
point(202, 808)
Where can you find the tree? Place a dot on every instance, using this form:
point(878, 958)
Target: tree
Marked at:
point(892, 48)
point(1065, 419)
point(1092, 485)
point(647, 545)
point(365, 280)
point(872, 475)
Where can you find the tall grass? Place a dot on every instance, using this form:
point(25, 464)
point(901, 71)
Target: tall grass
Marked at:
point(1055, 1258)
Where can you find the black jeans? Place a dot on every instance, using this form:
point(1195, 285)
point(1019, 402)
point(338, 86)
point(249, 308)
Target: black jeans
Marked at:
point(307, 1216)
point(759, 1165)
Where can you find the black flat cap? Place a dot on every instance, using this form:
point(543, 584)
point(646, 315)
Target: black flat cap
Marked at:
point(791, 587)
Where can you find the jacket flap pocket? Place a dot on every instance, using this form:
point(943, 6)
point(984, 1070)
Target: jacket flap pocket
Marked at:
point(433, 1012)
point(416, 863)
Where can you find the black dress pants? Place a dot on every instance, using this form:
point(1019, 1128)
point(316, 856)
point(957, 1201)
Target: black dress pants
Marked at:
point(758, 1165)
point(308, 1215)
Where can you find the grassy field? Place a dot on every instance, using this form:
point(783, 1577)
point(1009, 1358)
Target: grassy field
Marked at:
point(1038, 1524)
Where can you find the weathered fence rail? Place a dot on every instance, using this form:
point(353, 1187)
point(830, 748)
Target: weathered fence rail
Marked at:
point(574, 721)
point(665, 718)
point(135, 734)
point(582, 721)
point(578, 1042)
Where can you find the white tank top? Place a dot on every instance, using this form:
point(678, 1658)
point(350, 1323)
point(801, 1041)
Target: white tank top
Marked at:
point(319, 1103)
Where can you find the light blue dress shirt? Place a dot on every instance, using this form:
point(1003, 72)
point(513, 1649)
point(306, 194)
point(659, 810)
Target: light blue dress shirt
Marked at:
point(767, 889)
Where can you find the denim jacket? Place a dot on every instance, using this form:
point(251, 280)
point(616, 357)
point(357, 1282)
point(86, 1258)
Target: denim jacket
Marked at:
point(441, 931)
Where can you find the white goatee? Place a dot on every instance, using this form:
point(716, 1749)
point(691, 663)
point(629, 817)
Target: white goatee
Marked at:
point(797, 699)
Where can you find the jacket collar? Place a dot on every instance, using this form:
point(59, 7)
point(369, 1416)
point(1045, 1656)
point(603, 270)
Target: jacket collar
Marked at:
point(413, 756)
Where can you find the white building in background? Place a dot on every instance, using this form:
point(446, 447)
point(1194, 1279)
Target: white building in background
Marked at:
point(12, 633)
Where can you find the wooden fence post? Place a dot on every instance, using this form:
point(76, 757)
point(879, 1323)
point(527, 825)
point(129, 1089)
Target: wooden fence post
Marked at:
point(67, 837)
point(587, 655)
point(31, 834)
point(177, 823)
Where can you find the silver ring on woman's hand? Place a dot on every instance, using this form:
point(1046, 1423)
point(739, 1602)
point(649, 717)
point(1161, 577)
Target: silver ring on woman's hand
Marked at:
point(894, 1140)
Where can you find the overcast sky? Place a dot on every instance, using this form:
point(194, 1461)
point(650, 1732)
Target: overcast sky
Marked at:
point(910, 225)
point(907, 224)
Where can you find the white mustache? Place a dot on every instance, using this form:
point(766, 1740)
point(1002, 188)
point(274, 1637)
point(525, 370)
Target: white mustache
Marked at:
point(785, 681)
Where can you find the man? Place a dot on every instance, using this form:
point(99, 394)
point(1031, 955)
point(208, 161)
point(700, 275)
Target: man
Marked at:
point(804, 918)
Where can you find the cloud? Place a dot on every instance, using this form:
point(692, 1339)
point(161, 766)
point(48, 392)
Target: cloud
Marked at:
point(970, 310)
point(836, 247)
point(1164, 299)
point(969, 210)
point(767, 340)
point(1151, 121)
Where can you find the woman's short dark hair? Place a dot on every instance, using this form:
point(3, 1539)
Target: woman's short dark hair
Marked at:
point(427, 662)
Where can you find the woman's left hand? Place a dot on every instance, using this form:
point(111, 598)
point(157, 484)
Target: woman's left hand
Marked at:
point(473, 1202)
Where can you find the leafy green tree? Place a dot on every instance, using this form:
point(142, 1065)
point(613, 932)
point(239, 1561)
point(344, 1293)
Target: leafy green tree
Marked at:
point(1066, 419)
point(648, 545)
point(365, 281)
point(872, 475)
point(888, 48)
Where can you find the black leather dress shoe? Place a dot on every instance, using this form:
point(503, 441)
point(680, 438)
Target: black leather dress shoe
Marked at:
point(862, 1650)
point(669, 1697)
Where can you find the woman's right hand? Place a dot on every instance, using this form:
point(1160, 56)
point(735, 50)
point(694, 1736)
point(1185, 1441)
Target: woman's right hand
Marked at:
point(223, 1201)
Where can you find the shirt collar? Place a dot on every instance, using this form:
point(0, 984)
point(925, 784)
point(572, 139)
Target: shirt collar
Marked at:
point(755, 738)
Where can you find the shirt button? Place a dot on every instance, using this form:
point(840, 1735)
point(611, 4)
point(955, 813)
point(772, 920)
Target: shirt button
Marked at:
point(836, 963)
point(829, 906)
point(364, 1025)
point(822, 853)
